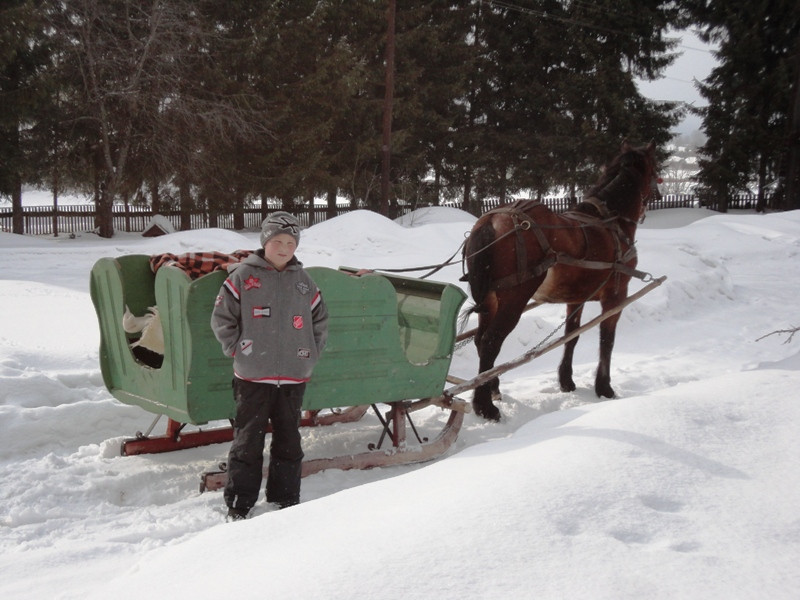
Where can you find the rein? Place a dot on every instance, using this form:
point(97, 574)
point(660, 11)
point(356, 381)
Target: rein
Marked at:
point(434, 268)
point(606, 220)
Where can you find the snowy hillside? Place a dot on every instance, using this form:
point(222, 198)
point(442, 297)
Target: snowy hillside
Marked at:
point(685, 486)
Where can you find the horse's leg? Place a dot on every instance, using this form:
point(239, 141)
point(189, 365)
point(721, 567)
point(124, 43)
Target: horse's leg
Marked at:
point(608, 330)
point(493, 328)
point(485, 342)
point(486, 392)
point(574, 312)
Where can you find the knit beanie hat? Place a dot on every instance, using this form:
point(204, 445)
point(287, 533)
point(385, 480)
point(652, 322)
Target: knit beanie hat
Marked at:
point(280, 222)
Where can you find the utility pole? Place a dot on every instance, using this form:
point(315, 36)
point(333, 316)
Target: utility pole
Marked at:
point(388, 99)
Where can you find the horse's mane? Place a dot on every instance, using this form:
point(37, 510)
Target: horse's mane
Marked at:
point(618, 186)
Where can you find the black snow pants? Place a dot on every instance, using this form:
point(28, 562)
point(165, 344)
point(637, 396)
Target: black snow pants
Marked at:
point(257, 405)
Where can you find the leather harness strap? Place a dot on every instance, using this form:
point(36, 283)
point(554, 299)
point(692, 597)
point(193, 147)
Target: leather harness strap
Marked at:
point(518, 211)
point(524, 222)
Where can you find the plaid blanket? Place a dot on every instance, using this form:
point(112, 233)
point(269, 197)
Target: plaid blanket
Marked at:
point(197, 264)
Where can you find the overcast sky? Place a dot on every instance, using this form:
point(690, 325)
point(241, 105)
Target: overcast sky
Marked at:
point(694, 64)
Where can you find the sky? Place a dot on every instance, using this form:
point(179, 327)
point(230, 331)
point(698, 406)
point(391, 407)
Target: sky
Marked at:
point(684, 486)
point(678, 82)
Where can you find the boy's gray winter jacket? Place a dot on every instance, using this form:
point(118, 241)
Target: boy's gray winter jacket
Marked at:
point(273, 323)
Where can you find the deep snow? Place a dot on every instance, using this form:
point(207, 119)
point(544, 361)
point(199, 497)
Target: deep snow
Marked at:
point(686, 486)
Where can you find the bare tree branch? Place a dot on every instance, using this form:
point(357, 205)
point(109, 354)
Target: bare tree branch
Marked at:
point(791, 333)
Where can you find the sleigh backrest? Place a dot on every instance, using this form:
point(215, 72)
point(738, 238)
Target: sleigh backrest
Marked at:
point(388, 339)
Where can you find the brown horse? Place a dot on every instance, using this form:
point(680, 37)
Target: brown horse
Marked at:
point(525, 250)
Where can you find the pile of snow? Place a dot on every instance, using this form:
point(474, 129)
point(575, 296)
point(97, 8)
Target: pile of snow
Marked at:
point(158, 225)
point(686, 486)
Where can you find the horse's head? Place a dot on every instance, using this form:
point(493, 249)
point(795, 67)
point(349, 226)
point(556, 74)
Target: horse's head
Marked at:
point(649, 184)
point(629, 181)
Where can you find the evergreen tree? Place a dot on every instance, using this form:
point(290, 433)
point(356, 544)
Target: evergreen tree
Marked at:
point(309, 67)
point(23, 57)
point(431, 56)
point(442, 59)
point(553, 90)
point(609, 45)
point(210, 104)
point(751, 95)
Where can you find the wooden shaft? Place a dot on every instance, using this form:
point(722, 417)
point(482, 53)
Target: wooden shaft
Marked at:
point(482, 378)
point(470, 333)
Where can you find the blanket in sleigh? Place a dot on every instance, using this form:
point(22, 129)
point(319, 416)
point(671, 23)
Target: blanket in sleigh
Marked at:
point(197, 264)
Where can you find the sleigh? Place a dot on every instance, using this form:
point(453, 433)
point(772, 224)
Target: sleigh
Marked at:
point(390, 342)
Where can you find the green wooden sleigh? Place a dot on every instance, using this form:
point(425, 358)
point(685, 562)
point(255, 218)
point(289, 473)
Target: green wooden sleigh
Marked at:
point(390, 341)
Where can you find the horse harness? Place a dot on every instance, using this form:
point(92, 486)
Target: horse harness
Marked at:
point(518, 211)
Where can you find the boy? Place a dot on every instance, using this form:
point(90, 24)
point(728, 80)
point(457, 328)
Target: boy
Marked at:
point(270, 317)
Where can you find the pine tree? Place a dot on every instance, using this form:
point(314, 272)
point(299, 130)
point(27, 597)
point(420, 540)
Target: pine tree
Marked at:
point(23, 58)
point(431, 56)
point(751, 95)
point(554, 90)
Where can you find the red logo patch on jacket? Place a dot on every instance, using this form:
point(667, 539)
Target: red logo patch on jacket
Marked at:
point(297, 321)
point(252, 282)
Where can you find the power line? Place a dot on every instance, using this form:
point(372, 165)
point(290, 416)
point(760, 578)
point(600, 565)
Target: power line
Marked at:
point(589, 7)
point(553, 17)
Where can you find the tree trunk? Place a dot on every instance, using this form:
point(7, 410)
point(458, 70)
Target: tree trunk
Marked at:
point(105, 215)
point(762, 179)
point(17, 218)
point(155, 199)
point(792, 200)
point(723, 198)
point(331, 212)
point(503, 188)
point(186, 204)
point(264, 206)
point(466, 201)
point(55, 202)
point(287, 203)
point(308, 200)
point(238, 210)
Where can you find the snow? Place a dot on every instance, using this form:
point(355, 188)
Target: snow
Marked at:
point(35, 197)
point(685, 486)
point(160, 222)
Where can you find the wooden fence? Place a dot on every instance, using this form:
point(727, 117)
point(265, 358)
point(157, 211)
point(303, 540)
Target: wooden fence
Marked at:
point(39, 220)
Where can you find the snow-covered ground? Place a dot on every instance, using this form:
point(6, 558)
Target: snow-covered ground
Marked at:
point(686, 486)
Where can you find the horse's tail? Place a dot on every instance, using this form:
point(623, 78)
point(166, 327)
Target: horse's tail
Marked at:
point(478, 257)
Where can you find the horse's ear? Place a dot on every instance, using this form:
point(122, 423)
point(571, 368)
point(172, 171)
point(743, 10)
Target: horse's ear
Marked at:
point(651, 147)
point(626, 147)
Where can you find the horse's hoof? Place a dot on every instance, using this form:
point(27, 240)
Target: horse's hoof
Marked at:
point(568, 386)
point(605, 392)
point(490, 412)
